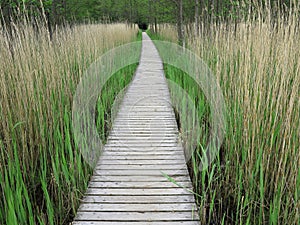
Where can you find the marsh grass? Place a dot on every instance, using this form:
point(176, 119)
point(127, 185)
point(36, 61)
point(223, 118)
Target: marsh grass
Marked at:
point(42, 174)
point(256, 178)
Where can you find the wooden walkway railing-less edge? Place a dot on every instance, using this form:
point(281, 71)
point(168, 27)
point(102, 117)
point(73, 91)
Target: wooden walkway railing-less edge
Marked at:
point(129, 185)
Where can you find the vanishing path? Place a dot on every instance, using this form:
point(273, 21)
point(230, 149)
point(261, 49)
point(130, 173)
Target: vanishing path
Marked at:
point(129, 185)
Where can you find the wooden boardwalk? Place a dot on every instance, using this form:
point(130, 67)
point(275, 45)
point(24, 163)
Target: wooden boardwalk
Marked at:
point(129, 185)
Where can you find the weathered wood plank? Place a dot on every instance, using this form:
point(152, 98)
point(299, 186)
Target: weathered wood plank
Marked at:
point(142, 147)
point(137, 191)
point(136, 216)
point(137, 143)
point(167, 207)
point(128, 129)
point(140, 172)
point(140, 167)
point(149, 178)
point(139, 184)
point(142, 157)
point(163, 137)
point(139, 199)
point(142, 162)
point(126, 152)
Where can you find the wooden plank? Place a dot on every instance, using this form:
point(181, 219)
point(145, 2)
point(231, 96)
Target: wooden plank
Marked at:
point(158, 178)
point(140, 184)
point(137, 191)
point(173, 207)
point(161, 137)
point(142, 146)
point(139, 167)
point(145, 142)
point(135, 216)
point(141, 134)
point(139, 199)
point(149, 151)
point(129, 109)
point(142, 157)
point(138, 129)
point(157, 119)
point(141, 162)
point(135, 152)
point(141, 172)
point(143, 153)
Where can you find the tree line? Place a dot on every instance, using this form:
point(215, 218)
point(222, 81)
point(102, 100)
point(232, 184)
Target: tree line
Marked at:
point(60, 12)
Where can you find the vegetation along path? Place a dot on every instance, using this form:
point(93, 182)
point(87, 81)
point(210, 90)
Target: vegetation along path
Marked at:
point(141, 177)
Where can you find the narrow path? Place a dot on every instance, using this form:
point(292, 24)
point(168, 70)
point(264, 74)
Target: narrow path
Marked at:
point(129, 185)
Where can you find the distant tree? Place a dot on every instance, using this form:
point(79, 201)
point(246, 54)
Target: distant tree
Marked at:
point(179, 21)
point(196, 17)
point(6, 14)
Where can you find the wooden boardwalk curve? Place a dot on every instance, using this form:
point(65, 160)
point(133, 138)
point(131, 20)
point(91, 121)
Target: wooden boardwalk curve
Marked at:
point(129, 185)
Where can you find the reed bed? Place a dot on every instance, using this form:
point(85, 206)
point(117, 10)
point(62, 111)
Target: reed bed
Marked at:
point(256, 178)
point(42, 174)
